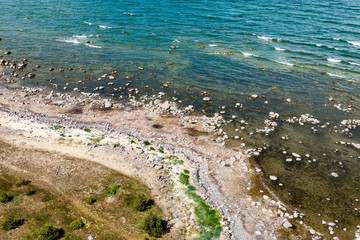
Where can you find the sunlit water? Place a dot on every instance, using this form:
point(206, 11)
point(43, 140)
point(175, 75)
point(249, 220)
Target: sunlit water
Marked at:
point(303, 50)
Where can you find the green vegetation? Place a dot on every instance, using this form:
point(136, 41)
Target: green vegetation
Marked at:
point(141, 203)
point(184, 178)
point(152, 149)
point(91, 200)
point(56, 127)
point(146, 143)
point(76, 224)
point(29, 191)
point(49, 232)
point(87, 130)
point(161, 150)
point(153, 225)
point(112, 190)
point(116, 145)
point(132, 141)
point(175, 160)
point(207, 217)
point(5, 198)
point(186, 171)
point(11, 223)
point(98, 139)
point(22, 182)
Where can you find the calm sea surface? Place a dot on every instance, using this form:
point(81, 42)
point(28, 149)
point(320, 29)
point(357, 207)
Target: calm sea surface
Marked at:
point(306, 51)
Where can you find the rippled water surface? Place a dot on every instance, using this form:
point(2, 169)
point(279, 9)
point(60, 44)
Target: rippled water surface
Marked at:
point(306, 51)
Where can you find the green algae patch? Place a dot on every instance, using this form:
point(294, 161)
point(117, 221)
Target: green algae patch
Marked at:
point(207, 217)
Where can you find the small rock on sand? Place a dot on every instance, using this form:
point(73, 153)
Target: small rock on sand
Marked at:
point(274, 178)
point(107, 103)
point(165, 105)
point(287, 224)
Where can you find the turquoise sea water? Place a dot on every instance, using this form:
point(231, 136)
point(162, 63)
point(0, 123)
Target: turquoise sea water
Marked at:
point(306, 50)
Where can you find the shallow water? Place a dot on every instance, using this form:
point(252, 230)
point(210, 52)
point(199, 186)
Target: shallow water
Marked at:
point(307, 51)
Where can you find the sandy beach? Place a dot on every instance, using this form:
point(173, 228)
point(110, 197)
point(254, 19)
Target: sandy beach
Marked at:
point(35, 118)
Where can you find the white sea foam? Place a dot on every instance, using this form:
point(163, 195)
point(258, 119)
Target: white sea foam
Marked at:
point(336, 75)
point(79, 36)
point(70, 40)
point(356, 64)
point(334, 60)
point(336, 39)
point(213, 45)
point(127, 13)
point(93, 46)
point(264, 38)
point(89, 23)
point(318, 45)
point(103, 26)
point(279, 49)
point(285, 63)
point(356, 44)
point(247, 54)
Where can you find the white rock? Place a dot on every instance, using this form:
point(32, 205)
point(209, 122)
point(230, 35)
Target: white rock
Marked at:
point(254, 96)
point(206, 99)
point(288, 100)
point(165, 105)
point(287, 224)
point(274, 178)
point(334, 174)
point(296, 155)
point(107, 103)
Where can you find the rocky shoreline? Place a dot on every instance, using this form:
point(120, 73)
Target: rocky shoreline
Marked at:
point(222, 176)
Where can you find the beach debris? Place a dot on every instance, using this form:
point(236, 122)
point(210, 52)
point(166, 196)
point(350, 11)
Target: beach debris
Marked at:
point(273, 178)
point(173, 47)
point(334, 174)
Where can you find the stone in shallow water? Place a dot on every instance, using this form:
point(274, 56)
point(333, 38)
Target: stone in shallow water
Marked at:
point(334, 174)
point(296, 155)
point(206, 99)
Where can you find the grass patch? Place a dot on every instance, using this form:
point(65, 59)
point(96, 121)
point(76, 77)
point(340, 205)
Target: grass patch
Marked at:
point(76, 224)
point(112, 190)
point(22, 182)
point(153, 225)
point(11, 223)
point(132, 141)
point(56, 127)
point(175, 160)
point(97, 139)
point(91, 200)
point(140, 202)
point(29, 191)
point(146, 143)
point(152, 149)
point(161, 150)
point(186, 171)
point(184, 178)
point(207, 218)
point(116, 145)
point(87, 130)
point(49, 232)
point(5, 198)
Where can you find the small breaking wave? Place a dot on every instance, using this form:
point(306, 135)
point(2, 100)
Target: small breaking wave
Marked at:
point(356, 64)
point(247, 54)
point(93, 46)
point(103, 26)
point(334, 60)
point(70, 40)
point(79, 36)
point(89, 23)
point(213, 45)
point(279, 49)
point(356, 44)
point(285, 63)
point(264, 38)
point(127, 13)
point(336, 75)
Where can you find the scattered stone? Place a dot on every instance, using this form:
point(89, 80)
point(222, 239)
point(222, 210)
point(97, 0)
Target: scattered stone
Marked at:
point(334, 174)
point(31, 75)
point(206, 99)
point(274, 178)
point(254, 96)
point(288, 100)
point(165, 105)
point(107, 103)
point(287, 224)
point(296, 155)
